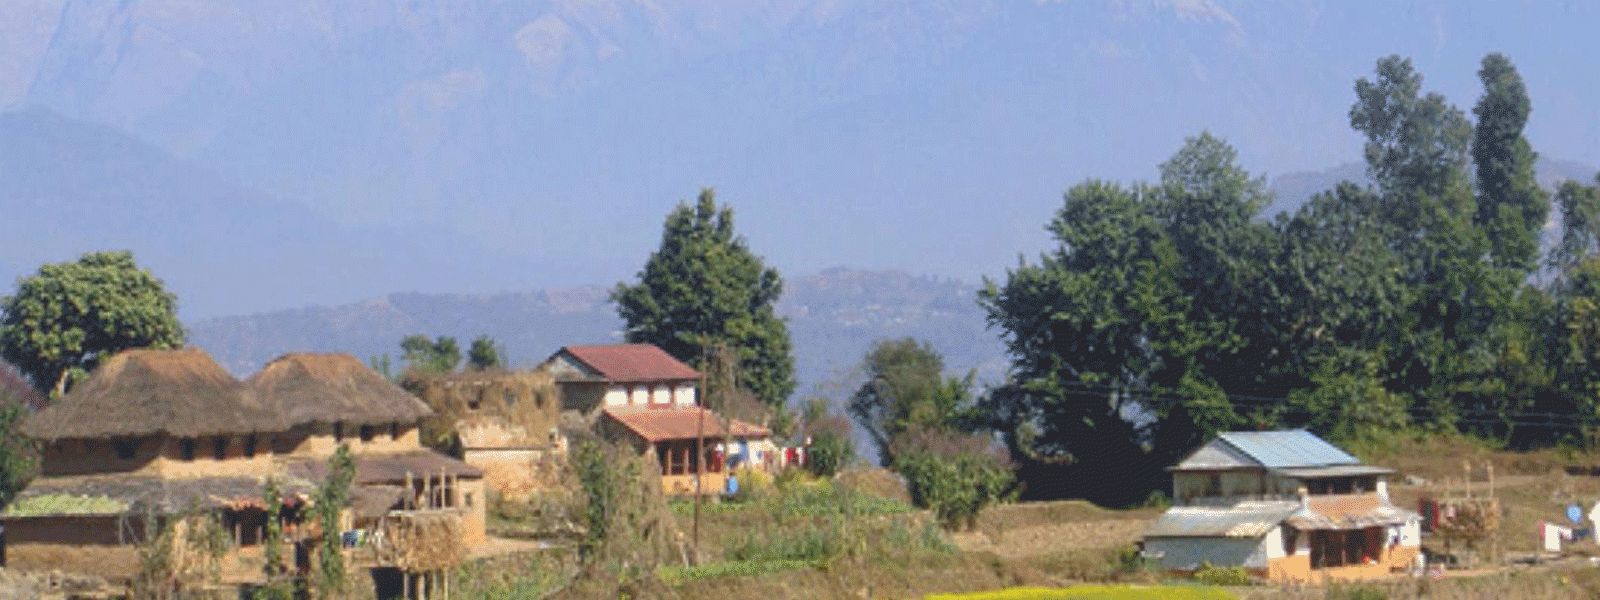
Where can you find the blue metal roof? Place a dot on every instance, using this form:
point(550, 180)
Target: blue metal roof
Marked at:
point(1279, 449)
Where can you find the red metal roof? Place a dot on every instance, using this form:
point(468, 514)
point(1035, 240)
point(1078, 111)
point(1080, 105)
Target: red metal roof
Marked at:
point(632, 362)
point(679, 423)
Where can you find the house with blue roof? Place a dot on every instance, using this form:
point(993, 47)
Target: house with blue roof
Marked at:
point(1285, 505)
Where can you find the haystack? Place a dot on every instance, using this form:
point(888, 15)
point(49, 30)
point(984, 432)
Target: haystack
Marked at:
point(332, 388)
point(183, 393)
point(422, 541)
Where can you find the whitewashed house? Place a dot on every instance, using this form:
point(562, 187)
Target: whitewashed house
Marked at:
point(615, 375)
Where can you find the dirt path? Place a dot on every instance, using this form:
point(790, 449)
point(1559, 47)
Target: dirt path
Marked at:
point(498, 545)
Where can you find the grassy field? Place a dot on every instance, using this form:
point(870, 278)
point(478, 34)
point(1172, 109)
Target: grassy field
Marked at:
point(857, 537)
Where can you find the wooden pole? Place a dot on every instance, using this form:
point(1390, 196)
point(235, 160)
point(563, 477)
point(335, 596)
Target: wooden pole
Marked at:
point(700, 437)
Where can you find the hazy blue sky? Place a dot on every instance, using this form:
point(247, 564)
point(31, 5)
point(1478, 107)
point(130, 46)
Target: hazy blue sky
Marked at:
point(934, 137)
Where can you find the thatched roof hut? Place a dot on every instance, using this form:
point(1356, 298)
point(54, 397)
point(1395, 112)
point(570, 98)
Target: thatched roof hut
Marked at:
point(183, 393)
point(330, 388)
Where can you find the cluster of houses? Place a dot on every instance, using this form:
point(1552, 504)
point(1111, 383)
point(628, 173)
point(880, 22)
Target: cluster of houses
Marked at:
point(159, 434)
point(164, 433)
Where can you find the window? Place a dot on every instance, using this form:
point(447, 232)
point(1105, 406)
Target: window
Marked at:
point(367, 433)
point(250, 446)
point(1289, 539)
point(219, 448)
point(467, 499)
point(476, 401)
point(338, 431)
point(186, 448)
point(510, 398)
point(394, 431)
point(1214, 485)
point(126, 449)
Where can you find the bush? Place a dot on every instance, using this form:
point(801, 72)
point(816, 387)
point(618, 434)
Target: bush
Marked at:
point(754, 485)
point(1158, 499)
point(955, 475)
point(1210, 575)
point(829, 453)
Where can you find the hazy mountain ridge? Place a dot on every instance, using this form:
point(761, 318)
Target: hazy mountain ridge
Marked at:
point(833, 316)
point(1292, 190)
point(222, 248)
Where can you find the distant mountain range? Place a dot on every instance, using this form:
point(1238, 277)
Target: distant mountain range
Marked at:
point(834, 318)
point(68, 187)
point(1291, 190)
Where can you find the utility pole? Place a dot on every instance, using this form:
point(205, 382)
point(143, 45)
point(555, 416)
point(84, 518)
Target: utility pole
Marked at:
point(699, 440)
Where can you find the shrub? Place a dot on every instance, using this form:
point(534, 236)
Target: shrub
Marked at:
point(754, 485)
point(956, 475)
point(830, 452)
point(1211, 575)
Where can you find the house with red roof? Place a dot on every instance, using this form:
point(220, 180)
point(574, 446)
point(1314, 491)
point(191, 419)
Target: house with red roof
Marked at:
point(640, 395)
point(609, 375)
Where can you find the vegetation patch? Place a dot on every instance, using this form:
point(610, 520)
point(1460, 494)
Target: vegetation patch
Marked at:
point(64, 504)
point(673, 575)
point(1095, 592)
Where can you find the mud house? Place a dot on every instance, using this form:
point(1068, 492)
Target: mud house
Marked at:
point(152, 435)
point(640, 395)
point(505, 423)
point(1285, 505)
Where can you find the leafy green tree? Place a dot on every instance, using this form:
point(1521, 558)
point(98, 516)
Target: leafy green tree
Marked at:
point(704, 286)
point(19, 461)
point(1340, 299)
point(19, 457)
point(331, 499)
point(1130, 339)
point(1511, 206)
point(484, 354)
point(955, 474)
point(906, 390)
point(1084, 327)
point(1580, 226)
point(428, 355)
point(829, 448)
point(1418, 151)
point(69, 316)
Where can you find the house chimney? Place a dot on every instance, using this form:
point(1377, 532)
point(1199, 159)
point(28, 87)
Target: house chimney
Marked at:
point(1305, 498)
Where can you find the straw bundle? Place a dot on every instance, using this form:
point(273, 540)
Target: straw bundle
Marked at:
point(423, 541)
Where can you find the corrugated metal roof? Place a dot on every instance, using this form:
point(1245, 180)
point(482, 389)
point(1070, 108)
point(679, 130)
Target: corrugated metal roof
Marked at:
point(680, 423)
point(1249, 519)
point(1348, 511)
point(1332, 471)
point(1295, 448)
point(631, 362)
